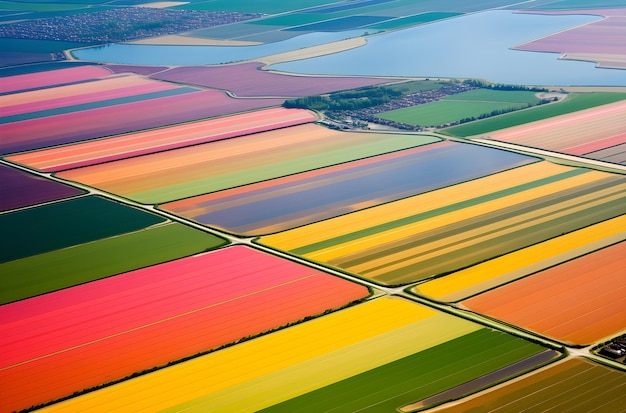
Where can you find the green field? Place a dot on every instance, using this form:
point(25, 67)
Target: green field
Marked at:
point(67, 267)
point(453, 108)
point(247, 6)
point(490, 95)
point(418, 86)
point(416, 377)
point(445, 111)
point(64, 224)
point(573, 103)
point(40, 7)
point(411, 20)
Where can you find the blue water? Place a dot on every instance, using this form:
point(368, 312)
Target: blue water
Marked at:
point(474, 46)
point(471, 46)
point(162, 55)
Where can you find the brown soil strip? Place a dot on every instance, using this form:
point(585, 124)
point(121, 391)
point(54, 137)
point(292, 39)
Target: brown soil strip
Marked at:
point(484, 381)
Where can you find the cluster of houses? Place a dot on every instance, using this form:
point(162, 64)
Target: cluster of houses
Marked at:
point(615, 348)
point(119, 24)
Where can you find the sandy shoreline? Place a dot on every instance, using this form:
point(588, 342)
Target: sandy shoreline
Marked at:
point(314, 51)
point(180, 40)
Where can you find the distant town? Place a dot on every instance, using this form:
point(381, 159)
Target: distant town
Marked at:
point(119, 25)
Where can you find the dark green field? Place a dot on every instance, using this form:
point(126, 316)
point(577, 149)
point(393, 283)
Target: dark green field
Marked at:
point(35, 46)
point(64, 224)
point(40, 7)
point(67, 267)
point(247, 6)
point(416, 377)
point(573, 103)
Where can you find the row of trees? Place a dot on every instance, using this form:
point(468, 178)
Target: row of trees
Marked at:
point(349, 100)
point(502, 86)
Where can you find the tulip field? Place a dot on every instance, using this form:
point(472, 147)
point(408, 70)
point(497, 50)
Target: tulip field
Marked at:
point(501, 270)
point(157, 140)
point(579, 302)
point(199, 302)
point(307, 197)
point(597, 133)
point(435, 233)
point(182, 239)
point(335, 354)
point(21, 189)
point(170, 175)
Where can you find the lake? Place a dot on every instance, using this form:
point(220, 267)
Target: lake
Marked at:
point(476, 46)
point(166, 55)
point(471, 46)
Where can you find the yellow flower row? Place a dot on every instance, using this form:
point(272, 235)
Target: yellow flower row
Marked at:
point(498, 271)
point(276, 367)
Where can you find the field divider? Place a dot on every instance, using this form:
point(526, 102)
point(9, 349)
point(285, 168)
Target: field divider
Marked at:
point(377, 290)
point(478, 318)
point(526, 150)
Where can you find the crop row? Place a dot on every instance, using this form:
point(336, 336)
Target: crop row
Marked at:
point(214, 166)
point(458, 226)
point(384, 344)
point(303, 198)
point(156, 140)
point(108, 329)
point(501, 270)
point(579, 302)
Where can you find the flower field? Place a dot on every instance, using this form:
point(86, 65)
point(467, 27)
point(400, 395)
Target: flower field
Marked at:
point(157, 140)
point(20, 189)
point(520, 263)
point(180, 173)
point(42, 102)
point(435, 233)
point(578, 133)
point(325, 354)
point(573, 103)
point(294, 200)
point(579, 302)
point(246, 79)
point(77, 105)
point(599, 41)
point(38, 79)
point(94, 333)
point(181, 239)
